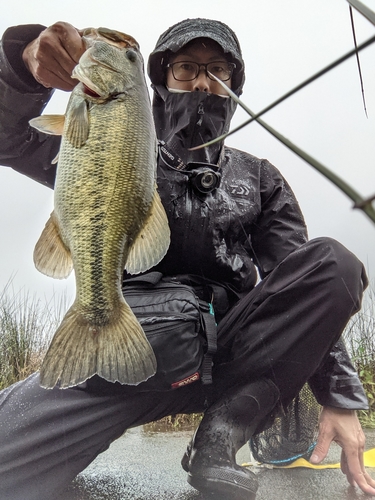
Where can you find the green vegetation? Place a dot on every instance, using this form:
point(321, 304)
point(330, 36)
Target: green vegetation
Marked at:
point(360, 341)
point(26, 326)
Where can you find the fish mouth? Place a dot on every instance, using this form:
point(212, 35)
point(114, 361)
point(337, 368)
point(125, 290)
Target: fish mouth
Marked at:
point(90, 92)
point(90, 88)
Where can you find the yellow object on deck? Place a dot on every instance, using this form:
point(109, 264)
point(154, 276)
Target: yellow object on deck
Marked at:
point(368, 457)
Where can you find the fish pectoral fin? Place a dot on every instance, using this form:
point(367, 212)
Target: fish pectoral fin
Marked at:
point(152, 242)
point(49, 124)
point(118, 351)
point(51, 256)
point(77, 130)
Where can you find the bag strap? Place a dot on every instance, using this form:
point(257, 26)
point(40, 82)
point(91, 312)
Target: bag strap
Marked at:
point(209, 325)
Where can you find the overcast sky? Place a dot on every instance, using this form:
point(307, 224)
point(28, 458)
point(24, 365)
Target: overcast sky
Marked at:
point(283, 44)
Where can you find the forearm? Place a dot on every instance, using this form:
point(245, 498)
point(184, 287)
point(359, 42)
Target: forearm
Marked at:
point(22, 98)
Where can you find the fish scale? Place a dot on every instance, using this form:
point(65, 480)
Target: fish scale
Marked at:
point(108, 204)
point(107, 215)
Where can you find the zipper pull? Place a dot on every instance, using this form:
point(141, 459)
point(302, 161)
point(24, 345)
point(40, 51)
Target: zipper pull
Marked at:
point(200, 112)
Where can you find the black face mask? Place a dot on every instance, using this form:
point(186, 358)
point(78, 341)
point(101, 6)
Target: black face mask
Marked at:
point(188, 119)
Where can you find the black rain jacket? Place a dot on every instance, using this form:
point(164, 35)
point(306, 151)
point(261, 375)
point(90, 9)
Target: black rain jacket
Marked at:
point(252, 218)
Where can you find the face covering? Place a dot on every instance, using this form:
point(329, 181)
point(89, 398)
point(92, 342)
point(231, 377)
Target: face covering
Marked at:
point(184, 120)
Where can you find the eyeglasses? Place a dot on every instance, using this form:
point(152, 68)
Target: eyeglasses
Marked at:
point(186, 71)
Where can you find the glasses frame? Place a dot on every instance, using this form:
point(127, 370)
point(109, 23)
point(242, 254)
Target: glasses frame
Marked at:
point(231, 65)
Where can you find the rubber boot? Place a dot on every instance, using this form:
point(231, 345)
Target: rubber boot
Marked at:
point(226, 426)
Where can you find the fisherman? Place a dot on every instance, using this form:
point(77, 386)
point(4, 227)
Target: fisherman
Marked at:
point(275, 336)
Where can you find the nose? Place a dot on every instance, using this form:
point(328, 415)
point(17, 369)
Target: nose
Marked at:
point(202, 82)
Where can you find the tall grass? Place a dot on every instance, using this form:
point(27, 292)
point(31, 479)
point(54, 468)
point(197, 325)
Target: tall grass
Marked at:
point(26, 328)
point(359, 337)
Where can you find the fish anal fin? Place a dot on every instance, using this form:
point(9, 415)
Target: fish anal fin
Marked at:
point(77, 130)
point(152, 242)
point(49, 124)
point(51, 256)
point(118, 351)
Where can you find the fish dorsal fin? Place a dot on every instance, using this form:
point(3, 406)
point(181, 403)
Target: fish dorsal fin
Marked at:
point(77, 130)
point(49, 124)
point(152, 242)
point(51, 256)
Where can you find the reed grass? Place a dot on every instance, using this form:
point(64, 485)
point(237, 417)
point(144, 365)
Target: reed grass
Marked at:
point(26, 328)
point(359, 338)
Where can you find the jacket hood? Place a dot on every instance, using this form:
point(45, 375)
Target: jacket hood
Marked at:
point(185, 120)
point(178, 35)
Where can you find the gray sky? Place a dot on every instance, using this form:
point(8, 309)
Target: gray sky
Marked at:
point(283, 44)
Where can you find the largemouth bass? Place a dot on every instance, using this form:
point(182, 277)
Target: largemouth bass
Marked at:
point(107, 215)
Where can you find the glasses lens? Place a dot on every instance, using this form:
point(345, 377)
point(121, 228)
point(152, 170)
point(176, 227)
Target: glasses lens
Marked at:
point(185, 70)
point(221, 70)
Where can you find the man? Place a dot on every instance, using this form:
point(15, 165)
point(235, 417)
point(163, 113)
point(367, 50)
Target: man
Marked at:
point(272, 337)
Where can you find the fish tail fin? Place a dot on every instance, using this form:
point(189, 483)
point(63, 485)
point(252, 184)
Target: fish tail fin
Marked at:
point(118, 351)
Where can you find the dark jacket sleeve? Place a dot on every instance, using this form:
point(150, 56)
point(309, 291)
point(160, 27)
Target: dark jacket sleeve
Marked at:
point(22, 98)
point(280, 228)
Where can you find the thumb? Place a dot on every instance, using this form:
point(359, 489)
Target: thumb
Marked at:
point(320, 451)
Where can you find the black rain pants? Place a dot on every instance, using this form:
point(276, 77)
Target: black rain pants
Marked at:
point(283, 329)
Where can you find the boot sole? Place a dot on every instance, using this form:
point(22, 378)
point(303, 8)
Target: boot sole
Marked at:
point(224, 483)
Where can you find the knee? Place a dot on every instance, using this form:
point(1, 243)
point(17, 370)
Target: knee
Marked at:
point(341, 268)
point(331, 251)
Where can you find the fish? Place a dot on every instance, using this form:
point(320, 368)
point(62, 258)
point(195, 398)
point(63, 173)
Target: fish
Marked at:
point(107, 215)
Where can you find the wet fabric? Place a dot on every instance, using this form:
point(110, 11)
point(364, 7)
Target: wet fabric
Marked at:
point(48, 436)
point(186, 120)
point(252, 217)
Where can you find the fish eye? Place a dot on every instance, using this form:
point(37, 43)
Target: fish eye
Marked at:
point(131, 55)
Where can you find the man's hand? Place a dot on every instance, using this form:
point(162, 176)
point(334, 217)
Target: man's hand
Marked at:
point(343, 427)
point(51, 57)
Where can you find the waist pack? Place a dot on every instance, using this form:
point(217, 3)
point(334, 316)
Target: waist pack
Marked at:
point(179, 326)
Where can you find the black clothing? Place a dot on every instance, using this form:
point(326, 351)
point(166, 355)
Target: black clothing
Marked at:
point(286, 328)
point(190, 119)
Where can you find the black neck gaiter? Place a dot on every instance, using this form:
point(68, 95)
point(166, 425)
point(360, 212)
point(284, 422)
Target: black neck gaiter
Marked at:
point(188, 119)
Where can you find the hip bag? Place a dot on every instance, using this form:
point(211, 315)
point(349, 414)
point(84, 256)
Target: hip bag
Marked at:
point(180, 327)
